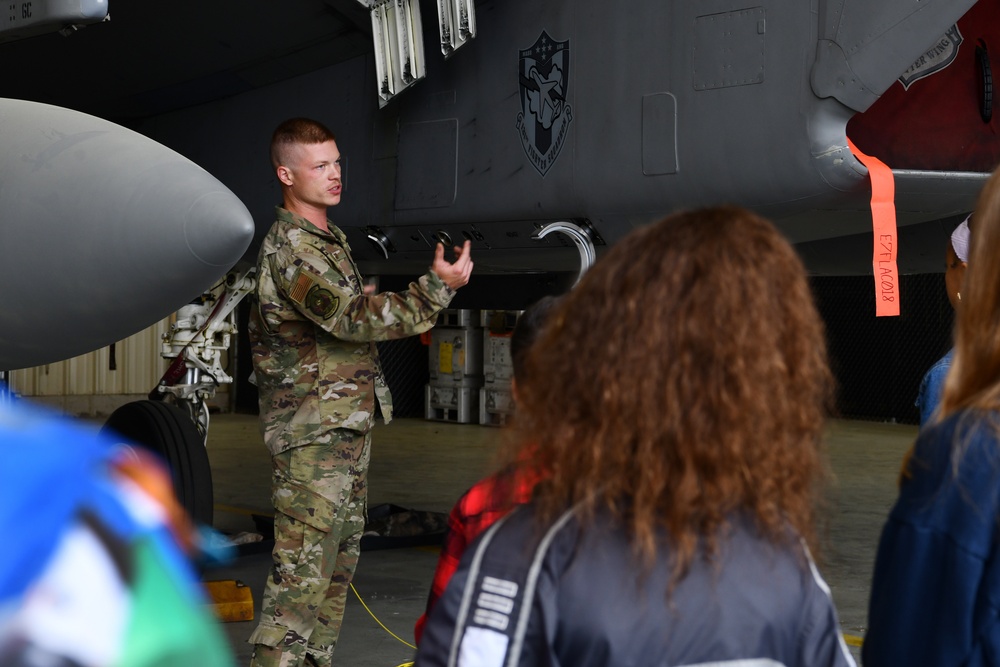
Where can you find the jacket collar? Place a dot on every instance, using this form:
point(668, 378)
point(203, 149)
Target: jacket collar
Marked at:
point(286, 216)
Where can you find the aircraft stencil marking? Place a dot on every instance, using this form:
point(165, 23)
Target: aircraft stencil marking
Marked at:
point(935, 58)
point(542, 124)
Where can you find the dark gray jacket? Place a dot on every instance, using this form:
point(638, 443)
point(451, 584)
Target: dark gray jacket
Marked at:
point(592, 604)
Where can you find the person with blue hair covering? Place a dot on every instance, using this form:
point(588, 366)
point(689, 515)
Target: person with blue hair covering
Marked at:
point(95, 571)
point(956, 261)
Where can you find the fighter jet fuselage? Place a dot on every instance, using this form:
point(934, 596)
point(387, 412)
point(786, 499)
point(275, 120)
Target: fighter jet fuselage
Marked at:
point(611, 115)
point(598, 116)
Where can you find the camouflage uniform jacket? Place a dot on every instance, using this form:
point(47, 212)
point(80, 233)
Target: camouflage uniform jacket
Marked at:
point(313, 331)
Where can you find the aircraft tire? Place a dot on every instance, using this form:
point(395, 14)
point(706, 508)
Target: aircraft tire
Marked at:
point(166, 430)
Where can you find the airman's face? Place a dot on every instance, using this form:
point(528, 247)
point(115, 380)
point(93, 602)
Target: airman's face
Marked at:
point(312, 175)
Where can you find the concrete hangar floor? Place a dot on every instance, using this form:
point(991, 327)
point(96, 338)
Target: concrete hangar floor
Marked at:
point(427, 465)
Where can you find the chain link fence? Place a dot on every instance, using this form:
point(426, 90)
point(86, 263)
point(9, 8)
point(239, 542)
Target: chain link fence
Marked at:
point(879, 361)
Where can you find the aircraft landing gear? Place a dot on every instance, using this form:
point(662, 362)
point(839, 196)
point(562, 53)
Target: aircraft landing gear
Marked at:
point(174, 422)
point(168, 431)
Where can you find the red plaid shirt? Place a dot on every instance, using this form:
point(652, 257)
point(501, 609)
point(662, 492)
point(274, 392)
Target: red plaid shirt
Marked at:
point(482, 505)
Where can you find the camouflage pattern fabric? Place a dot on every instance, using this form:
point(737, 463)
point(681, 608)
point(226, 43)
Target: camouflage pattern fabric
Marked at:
point(313, 331)
point(319, 495)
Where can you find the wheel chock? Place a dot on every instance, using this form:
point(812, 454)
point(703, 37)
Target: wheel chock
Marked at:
point(230, 600)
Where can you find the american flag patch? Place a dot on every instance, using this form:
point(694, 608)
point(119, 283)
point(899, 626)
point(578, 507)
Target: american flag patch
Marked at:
point(300, 288)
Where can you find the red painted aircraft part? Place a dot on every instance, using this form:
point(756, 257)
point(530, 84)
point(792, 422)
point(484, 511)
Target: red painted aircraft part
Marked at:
point(937, 124)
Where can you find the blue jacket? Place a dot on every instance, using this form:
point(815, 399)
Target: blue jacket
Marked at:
point(932, 386)
point(935, 596)
point(594, 605)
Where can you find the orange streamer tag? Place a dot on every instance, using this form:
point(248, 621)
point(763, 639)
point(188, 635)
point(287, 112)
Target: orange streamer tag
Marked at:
point(884, 228)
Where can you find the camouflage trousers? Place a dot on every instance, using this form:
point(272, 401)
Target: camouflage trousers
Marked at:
point(319, 493)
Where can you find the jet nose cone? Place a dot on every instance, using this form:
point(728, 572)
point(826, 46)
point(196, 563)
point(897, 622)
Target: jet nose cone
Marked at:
point(104, 232)
point(218, 228)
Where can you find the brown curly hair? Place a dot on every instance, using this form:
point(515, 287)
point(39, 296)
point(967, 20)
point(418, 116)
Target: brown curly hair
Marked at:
point(683, 380)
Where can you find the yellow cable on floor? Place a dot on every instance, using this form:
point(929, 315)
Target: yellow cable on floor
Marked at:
point(405, 664)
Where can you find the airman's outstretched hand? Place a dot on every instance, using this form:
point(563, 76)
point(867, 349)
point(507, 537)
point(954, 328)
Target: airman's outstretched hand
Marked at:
point(456, 274)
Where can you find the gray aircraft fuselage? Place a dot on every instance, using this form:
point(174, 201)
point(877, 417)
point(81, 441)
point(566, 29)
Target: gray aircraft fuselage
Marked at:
point(610, 115)
point(604, 115)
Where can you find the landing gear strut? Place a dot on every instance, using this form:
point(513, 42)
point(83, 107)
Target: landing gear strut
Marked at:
point(174, 421)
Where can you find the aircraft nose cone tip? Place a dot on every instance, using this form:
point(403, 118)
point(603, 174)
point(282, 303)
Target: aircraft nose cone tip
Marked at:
point(218, 229)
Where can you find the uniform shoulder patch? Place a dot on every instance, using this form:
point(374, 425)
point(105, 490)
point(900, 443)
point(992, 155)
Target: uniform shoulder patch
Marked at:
point(300, 287)
point(321, 302)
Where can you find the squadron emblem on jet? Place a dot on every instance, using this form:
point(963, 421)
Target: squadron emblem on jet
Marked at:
point(544, 120)
point(935, 58)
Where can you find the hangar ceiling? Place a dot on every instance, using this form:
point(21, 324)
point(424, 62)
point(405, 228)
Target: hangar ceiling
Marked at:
point(156, 56)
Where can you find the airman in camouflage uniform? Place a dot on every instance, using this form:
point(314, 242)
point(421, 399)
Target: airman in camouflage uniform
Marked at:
point(313, 329)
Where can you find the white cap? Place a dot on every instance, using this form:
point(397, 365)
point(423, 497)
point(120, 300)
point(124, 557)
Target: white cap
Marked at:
point(960, 240)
